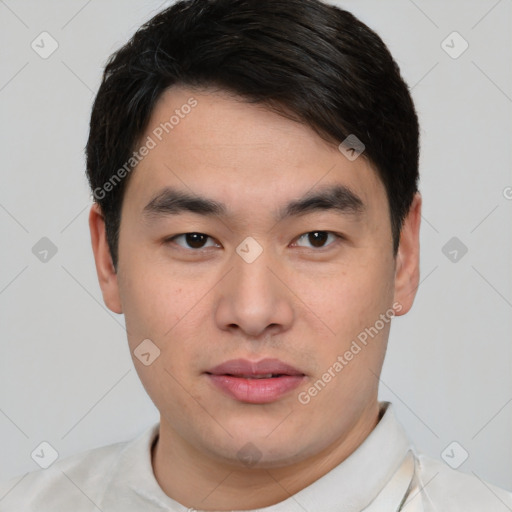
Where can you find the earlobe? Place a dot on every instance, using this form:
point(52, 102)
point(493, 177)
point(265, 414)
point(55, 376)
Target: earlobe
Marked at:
point(407, 271)
point(107, 276)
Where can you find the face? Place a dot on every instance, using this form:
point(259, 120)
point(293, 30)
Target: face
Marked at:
point(260, 273)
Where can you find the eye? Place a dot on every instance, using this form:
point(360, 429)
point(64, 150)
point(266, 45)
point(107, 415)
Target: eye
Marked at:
point(193, 240)
point(196, 241)
point(318, 238)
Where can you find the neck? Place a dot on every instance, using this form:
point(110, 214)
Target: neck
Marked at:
point(203, 483)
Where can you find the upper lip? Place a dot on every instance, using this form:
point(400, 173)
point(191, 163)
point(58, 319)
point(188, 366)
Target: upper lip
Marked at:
point(244, 367)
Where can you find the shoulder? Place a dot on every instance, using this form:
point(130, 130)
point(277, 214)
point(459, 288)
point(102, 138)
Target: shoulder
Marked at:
point(74, 483)
point(446, 489)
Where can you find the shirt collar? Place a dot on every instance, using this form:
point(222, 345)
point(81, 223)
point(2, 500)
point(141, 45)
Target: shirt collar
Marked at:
point(349, 487)
point(355, 482)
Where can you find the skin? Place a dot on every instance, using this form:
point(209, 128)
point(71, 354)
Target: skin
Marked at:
point(296, 302)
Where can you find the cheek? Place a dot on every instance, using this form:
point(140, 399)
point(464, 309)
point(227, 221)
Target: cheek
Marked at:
point(350, 299)
point(157, 307)
point(153, 302)
point(171, 310)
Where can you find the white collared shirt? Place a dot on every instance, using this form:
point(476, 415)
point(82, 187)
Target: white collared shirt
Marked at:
point(384, 474)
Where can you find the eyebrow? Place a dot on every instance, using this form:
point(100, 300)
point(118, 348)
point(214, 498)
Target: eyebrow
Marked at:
point(338, 198)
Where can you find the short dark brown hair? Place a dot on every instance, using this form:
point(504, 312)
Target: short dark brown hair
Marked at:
point(305, 59)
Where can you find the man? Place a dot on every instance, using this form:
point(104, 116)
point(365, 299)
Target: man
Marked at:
point(254, 166)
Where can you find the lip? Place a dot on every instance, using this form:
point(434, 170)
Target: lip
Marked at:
point(241, 379)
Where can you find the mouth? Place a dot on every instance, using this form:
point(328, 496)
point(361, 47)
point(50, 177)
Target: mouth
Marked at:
point(259, 382)
point(252, 376)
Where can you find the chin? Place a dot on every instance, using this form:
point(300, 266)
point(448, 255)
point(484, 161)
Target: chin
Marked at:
point(274, 450)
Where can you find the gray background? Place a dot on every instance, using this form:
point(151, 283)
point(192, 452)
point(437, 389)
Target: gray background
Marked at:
point(66, 376)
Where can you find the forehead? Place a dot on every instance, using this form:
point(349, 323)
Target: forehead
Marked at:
point(217, 145)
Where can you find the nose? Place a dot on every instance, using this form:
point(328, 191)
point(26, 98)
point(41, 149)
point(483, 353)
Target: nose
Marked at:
point(253, 297)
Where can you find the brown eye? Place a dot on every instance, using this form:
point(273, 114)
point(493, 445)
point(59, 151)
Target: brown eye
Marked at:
point(317, 239)
point(192, 240)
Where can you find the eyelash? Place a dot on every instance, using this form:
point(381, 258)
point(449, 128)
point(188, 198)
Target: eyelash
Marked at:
point(316, 249)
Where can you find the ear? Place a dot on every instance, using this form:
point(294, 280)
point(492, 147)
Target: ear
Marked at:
point(107, 275)
point(407, 272)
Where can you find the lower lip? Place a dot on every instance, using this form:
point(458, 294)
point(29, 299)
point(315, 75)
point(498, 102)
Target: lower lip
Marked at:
point(256, 391)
